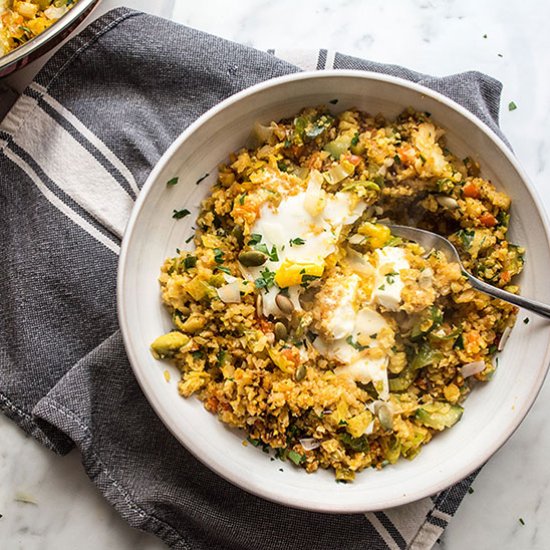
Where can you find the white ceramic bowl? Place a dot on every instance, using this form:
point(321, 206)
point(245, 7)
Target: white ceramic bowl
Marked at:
point(492, 412)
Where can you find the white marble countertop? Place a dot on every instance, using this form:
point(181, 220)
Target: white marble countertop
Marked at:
point(509, 41)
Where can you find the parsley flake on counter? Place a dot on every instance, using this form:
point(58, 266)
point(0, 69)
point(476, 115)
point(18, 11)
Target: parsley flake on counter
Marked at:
point(521, 521)
point(179, 214)
point(526, 321)
point(173, 181)
point(512, 106)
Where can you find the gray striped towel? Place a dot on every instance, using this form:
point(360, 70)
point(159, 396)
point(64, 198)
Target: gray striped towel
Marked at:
point(74, 151)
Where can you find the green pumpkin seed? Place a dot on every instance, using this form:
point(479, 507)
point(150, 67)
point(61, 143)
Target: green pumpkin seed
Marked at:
point(284, 304)
point(386, 417)
point(252, 258)
point(301, 372)
point(280, 331)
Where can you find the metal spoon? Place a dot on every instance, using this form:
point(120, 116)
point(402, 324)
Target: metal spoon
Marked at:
point(429, 241)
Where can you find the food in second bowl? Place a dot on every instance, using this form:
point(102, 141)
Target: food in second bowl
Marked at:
point(20, 21)
point(301, 319)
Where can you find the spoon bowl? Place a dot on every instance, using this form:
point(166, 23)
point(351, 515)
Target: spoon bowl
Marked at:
point(433, 241)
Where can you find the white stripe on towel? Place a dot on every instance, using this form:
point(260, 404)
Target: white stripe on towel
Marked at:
point(305, 59)
point(74, 170)
point(60, 205)
point(89, 135)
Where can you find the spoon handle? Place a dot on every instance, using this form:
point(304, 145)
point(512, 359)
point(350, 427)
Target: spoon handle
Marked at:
point(525, 303)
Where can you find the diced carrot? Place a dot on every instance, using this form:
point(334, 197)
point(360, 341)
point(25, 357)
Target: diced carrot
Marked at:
point(505, 277)
point(407, 154)
point(471, 190)
point(487, 219)
point(291, 354)
point(265, 326)
point(354, 159)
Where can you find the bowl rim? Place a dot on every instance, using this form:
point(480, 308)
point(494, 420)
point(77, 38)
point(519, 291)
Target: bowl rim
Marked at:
point(171, 422)
point(32, 46)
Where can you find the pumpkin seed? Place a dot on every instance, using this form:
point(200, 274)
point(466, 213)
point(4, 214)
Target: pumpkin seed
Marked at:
point(301, 372)
point(252, 258)
point(284, 304)
point(447, 202)
point(259, 304)
point(280, 331)
point(385, 416)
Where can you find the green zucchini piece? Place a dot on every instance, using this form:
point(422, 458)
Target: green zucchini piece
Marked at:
point(439, 415)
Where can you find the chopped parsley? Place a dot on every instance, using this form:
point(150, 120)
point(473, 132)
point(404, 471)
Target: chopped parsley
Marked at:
point(521, 521)
point(281, 165)
point(201, 178)
point(218, 256)
point(189, 262)
point(470, 490)
point(306, 279)
point(273, 256)
point(390, 277)
point(459, 342)
point(242, 198)
point(422, 158)
point(512, 106)
point(224, 269)
point(355, 139)
point(526, 321)
point(355, 344)
point(255, 238)
point(382, 287)
point(484, 36)
point(26, 29)
point(466, 237)
point(173, 181)
point(189, 239)
point(297, 241)
point(179, 214)
point(297, 458)
point(267, 279)
point(397, 159)
point(359, 444)
point(333, 101)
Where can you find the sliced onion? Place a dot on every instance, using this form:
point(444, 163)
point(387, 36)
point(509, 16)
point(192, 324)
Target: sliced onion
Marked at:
point(370, 428)
point(472, 368)
point(504, 338)
point(309, 443)
point(315, 200)
point(356, 239)
point(262, 133)
point(55, 13)
point(230, 293)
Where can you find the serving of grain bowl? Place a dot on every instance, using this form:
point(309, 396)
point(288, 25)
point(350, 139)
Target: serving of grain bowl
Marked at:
point(299, 318)
point(21, 20)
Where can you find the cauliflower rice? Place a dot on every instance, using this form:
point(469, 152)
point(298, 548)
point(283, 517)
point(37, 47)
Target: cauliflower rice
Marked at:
point(300, 319)
point(22, 20)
